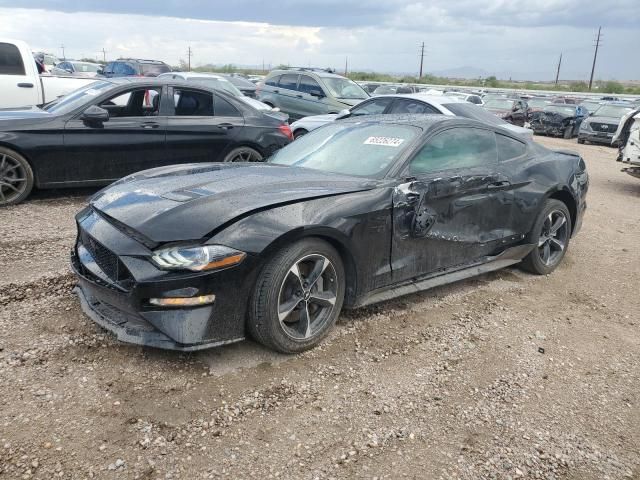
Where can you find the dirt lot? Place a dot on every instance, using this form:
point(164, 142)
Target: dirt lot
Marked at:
point(504, 376)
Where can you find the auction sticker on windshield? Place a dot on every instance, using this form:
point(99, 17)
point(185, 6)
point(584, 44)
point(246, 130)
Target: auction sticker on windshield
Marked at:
point(385, 141)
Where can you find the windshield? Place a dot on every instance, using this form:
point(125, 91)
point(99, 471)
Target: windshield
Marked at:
point(615, 111)
point(219, 83)
point(591, 106)
point(86, 67)
point(475, 112)
point(564, 109)
point(77, 98)
point(344, 88)
point(538, 102)
point(366, 149)
point(499, 103)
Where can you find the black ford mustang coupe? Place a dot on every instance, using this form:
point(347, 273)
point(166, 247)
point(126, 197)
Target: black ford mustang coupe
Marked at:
point(191, 256)
point(112, 128)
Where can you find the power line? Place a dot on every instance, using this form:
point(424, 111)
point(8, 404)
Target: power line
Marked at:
point(595, 55)
point(558, 71)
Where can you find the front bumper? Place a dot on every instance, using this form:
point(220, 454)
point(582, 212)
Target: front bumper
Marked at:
point(548, 129)
point(120, 303)
point(596, 137)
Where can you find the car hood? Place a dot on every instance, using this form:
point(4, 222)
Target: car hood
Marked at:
point(498, 111)
point(315, 120)
point(608, 120)
point(190, 202)
point(554, 116)
point(25, 113)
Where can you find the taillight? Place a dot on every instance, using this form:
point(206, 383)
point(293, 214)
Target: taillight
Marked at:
point(286, 131)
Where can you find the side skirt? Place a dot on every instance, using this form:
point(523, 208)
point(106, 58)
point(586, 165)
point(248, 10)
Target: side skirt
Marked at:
point(487, 264)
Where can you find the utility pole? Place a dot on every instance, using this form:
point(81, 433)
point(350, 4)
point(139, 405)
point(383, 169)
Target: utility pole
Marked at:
point(104, 55)
point(190, 52)
point(346, 60)
point(558, 71)
point(595, 55)
point(63, 56)
point(421, 59)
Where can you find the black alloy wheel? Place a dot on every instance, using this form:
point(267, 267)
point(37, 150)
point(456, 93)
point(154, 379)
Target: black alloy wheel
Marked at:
point(298, 296)
point(16, 177)
point(550, 235)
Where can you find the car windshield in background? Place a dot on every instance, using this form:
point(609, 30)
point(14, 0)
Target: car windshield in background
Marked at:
point(77, 98)
point(385, 90)
point(558, 108)
point(538, 102)
point(614, 111)
point(499, 103)
point(86, 67)
point(151, 69)
point(344, 88)
point(362, 149)
point(469, 110)
point(220, 84)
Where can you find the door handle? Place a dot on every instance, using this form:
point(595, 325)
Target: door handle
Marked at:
point(276, 91)
point(25, 85)
point(299, 96)
point(150, 125)
point(498, 185)
point(225, 126)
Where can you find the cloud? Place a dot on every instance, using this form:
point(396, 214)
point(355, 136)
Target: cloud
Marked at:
point(509, 39)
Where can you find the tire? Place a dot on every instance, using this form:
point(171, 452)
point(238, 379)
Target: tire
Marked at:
point(16, 177)
point(299, 133)
point(581, 140)
point(243, 154)
point(568, 132)
point(273, 320)
point(557, 244)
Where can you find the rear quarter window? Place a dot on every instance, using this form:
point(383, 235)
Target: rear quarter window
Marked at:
point(10, 60)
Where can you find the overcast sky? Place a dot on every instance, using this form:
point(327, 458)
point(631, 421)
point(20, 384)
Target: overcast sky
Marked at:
point(518, 38)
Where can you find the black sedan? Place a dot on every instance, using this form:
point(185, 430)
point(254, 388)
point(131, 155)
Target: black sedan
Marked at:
point(116, 127)
point(356, 212)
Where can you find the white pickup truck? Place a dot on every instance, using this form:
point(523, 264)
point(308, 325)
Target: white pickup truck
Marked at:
point(20, 83)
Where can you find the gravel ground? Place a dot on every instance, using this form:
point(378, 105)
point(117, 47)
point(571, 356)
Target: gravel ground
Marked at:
point(504, 376)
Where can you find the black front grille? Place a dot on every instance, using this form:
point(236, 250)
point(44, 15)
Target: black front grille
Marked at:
point(603, 127)
point(108, 261)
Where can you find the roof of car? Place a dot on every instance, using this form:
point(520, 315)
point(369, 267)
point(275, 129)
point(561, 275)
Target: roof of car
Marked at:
point(193, 75)
point(423, 121)
point(433, 99)
point(317, 71)
point(140, 60)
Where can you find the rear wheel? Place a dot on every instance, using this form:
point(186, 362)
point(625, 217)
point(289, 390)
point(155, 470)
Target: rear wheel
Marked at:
point(580, 140)
point(298, 296)
point(243, 154)
point(299, 132)
point(551, 234)
point(16, 177)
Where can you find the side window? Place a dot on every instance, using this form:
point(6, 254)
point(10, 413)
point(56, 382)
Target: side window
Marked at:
point(509, 148)
point(192, 103)
point(411, 106)
point(10, 60)
point(371, 107)
point(273, 81)
point(455, 148)
point(224, 109)
point(133, 103)
point(310, 86)
point(288, 81)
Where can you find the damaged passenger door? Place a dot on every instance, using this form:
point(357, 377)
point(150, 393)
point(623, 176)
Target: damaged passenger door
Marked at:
point(454, 207)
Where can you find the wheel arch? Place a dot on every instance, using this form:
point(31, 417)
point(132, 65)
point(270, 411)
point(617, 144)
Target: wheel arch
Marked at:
point(334, 238)
point(20, 152)
point(566, 197)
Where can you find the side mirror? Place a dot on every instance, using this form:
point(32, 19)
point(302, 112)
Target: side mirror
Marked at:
point(100, 71)
point(95, 114)
point(343, 114)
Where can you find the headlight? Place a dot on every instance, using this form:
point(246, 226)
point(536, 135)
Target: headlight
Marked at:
point(209, 257)
point(584, 125)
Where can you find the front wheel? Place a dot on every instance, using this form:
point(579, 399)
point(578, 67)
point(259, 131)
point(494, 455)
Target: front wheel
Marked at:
point(16, 177)
point(299, 132)
point(298, 296)
point(580, 140)
point(551, 234)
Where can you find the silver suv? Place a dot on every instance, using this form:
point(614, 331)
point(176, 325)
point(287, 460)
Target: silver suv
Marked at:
point(302, 92)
